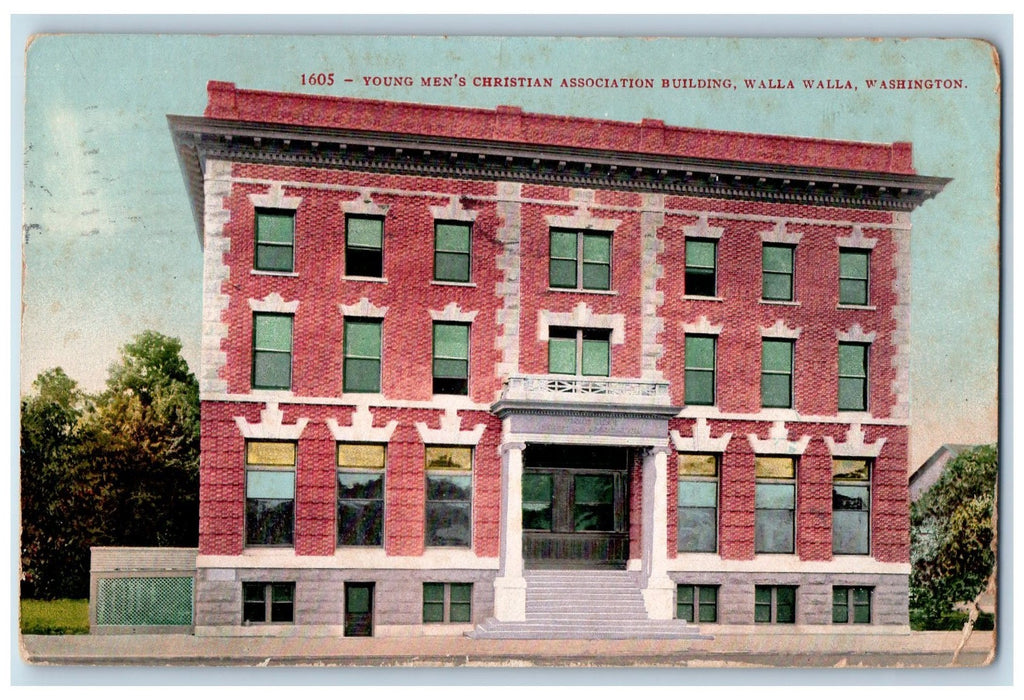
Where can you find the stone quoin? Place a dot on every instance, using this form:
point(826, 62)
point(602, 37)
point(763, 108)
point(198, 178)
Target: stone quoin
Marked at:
point(505, 374)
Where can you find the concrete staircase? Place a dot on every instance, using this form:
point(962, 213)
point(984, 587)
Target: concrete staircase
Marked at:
point(585, 605)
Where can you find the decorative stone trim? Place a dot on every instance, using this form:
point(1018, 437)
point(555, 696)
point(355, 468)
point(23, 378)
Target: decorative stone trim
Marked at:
point(779, 234)
point(453, 313)
point(702, 230)
point(855, 445)
point(582, 219)
point(453, 211)
point(271, 426)
point(703, 327)
point(701, 441)
point(582, 316)
point(780, 330)
point(856, 334)
point(506, 340)
point(363, 308)
point(274, 303)
point(212, 358)
point(652, 324)
point(275, 199)
point(450, 432)
point(856, 239)
point(363, 205)
point(778, 442)
point(900, 338)
point(361, 429)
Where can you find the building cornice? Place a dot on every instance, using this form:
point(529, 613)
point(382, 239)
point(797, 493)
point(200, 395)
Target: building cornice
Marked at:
point(198, 139)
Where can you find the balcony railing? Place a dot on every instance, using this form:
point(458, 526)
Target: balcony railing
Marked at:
point(563, 388)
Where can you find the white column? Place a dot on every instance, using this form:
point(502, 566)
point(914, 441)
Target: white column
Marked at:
point(510, 586)
point(658, 587)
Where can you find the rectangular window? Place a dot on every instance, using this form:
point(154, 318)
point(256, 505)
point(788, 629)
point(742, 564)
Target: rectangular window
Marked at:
point(582, 351)
point(449, 496)
point(361, 494)
point(851, 604)
point(851, 506)
point(774, 504)
point(775, 604)
point(777, 272)
point(361, 371)
point(699, 380)
point(777, 373)
point(697, 603)
point(697, 506)
point(272, 351)
point(537, 491)
point(701, 267)
point(580, 260)
point(447, 602)
point(364, 246)
point(268, 602)
point(853, 377)
point(854, 267)
point(451, 358)
point(451, 251)
point(275, 240)
point(269, 492)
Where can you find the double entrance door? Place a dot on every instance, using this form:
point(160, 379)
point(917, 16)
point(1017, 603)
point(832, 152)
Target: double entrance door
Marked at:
point(575, 507)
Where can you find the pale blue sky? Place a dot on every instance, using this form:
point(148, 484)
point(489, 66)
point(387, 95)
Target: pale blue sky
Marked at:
point(111, 249)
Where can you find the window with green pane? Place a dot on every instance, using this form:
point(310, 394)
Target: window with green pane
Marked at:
point(853, 377)
point(537, 491)
point(775, 604)
point(268, 602)
point(777, 373)
point(580, 260)
point(269, 492)
point(364, 246)
point(774, 504)
point(777, 272)
point(697, 603)
point(447, 602)
point(272, 351)
point(699, 380)
point(583, 351)
point(275, 240)
point(449, 496)
point(701, 267)
point(451, 358)
point(854, 269)
point(851, 506)
point(697, 510)
point(851, 604)
point(451, 251)
point(361, 370)
point(361, 494)
point(593, 502)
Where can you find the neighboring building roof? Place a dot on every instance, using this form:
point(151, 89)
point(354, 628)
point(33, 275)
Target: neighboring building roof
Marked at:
point(925, 476)
point(509, 144)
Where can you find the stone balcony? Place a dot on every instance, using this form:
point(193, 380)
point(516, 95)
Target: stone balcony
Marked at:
point(562, 391)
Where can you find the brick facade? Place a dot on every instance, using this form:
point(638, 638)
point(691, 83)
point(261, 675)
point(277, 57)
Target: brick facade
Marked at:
point(345, 156)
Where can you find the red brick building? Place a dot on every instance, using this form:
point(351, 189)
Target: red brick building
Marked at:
point(484, 370)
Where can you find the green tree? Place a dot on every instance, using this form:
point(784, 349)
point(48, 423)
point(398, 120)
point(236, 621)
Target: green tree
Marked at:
point(951, 537)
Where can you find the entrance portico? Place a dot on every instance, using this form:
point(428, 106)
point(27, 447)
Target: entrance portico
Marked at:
point(571, 447)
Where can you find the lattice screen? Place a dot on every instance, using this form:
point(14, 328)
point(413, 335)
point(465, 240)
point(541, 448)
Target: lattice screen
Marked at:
point(144, 601)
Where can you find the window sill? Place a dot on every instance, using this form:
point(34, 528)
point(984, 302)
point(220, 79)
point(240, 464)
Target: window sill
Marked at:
point(273, 273)
point(272, 394)
point(856, 307)
point(699, 297)
point(602, 292)
point(355, 278)
point(779, 302)
point(444, 283)
point(367, 395)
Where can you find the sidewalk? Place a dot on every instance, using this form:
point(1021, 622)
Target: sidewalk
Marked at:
point(731, 649)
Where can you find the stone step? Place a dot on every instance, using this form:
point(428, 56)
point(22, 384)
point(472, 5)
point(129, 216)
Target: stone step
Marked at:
point(646, 629)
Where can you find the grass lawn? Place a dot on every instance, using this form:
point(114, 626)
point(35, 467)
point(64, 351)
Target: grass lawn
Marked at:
point(55, 616)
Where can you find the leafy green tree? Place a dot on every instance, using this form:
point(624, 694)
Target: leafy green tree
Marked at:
point(117, 469)
point(951, 539)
